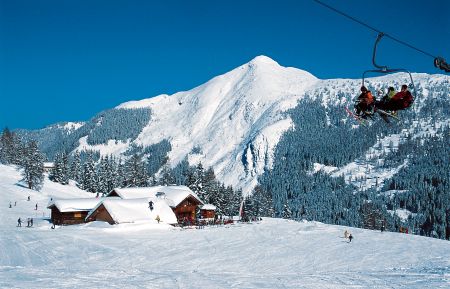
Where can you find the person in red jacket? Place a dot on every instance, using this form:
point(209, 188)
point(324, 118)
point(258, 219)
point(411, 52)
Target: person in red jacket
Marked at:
point(401, 100)
point(365, 103)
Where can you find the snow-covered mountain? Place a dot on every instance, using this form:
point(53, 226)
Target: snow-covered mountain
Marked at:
point(234, 121)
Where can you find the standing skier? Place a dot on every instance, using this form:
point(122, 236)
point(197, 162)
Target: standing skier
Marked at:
point(150, 205)
point(350, 237)
point(19, 223)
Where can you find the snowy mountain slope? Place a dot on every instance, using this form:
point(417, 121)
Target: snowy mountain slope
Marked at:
point(227, 115)
point(237, 119)
point(274, 253)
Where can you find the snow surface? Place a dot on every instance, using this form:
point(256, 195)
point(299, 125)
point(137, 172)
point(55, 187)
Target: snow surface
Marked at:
point(74, 204)
point(273, 253)
point(208, 207)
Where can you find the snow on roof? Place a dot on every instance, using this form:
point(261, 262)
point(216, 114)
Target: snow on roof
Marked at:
point(208, 207)
point(176, 194)
point(74, 205)
point(132, 210)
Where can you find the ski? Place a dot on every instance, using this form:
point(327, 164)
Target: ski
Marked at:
point(356, 117)
point(388, 114)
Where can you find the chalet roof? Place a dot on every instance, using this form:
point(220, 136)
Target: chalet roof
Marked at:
point(74, 205)
point(132, 210)
point(208, 207)
point(49, 165)
point(174, 195)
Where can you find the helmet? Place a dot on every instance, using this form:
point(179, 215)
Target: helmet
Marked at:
point(363, 88)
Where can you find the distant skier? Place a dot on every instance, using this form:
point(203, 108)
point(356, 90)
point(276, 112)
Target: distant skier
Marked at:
point(19, 223)
point(36, 207)
point(28, 222)
point(150, 205)
point(158, 218)
point(346, 234)
point(10, 206)
point(15, 203)
point(31, 222)
point(28, 198)
point(350, 237)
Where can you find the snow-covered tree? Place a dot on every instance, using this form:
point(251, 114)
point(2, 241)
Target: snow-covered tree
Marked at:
point(60, 171)
point(11, 148)
point(135, 172)
point(75, 168)
point(32, 167)
point(89, 175)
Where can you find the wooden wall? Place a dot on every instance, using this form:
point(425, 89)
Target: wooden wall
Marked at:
point(67, 218)
point(186, 209)
point(208, 214)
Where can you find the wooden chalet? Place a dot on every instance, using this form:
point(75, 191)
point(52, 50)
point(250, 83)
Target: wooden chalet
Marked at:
point(181, 199)
point(71, 211)
point(115, 210)
point(208, 211)
point(48, 166)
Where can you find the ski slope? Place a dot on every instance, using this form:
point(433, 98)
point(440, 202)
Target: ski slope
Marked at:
point(273, 253)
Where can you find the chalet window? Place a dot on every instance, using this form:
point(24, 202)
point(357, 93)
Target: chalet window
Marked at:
point(77, 215)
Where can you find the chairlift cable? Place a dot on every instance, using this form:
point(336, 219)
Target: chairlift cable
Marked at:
point(377, 30)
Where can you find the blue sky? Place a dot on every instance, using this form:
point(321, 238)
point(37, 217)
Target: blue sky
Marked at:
point(68, 60)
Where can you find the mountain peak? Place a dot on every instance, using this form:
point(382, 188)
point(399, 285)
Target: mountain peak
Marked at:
point(263, 60)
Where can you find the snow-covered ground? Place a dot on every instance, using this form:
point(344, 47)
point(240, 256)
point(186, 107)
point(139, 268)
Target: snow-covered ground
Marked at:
point(271, 254)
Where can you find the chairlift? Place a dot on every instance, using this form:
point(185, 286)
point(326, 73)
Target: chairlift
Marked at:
point(385, 69)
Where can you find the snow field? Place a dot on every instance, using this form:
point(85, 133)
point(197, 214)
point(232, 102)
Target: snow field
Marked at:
point(273, 253)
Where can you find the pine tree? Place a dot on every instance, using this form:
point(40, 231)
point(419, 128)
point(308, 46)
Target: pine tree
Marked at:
point(89, 176)
point(60, 170)
point(102, 175)
point(33, 167)
point(135, 172)
point(75, 168)
point(11, 148)
point(195, 181)
point(287, 213)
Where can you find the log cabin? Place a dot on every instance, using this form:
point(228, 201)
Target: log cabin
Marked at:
point(181, 199)
point(208, 211)
point(71, 211)
point(115, 210)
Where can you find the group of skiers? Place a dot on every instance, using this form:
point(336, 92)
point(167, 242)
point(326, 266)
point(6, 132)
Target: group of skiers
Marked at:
point(29, 222)
point(366, 104)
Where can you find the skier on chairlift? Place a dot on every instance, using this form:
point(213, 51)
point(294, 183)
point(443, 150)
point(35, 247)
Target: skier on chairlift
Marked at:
point(365, 103)
point(401, 100)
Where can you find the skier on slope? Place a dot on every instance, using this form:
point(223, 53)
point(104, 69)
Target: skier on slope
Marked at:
point(19, 222)
point(350, 237)
point(150, 205)
point(346, 234)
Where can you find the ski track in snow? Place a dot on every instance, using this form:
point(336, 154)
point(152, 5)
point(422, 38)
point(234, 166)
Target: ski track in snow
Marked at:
point(273, 253)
